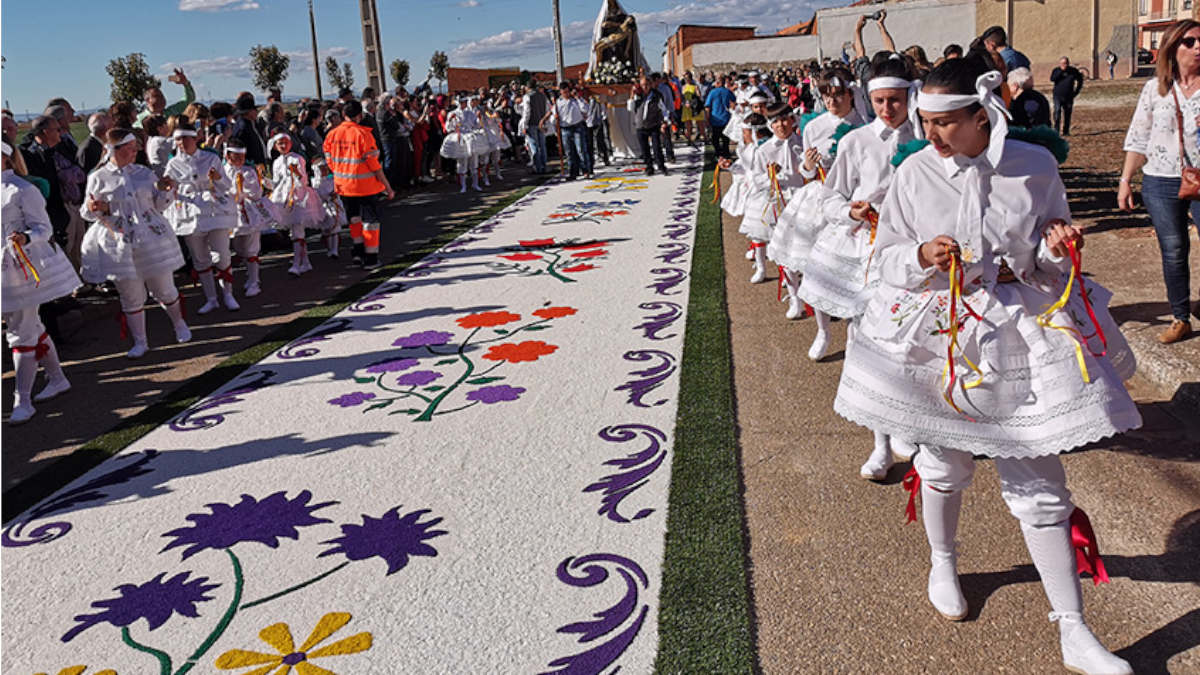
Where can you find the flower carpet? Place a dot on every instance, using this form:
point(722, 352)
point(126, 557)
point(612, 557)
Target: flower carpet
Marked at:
point(465, 471)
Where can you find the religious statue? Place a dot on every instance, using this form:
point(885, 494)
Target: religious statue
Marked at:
point(618, 32)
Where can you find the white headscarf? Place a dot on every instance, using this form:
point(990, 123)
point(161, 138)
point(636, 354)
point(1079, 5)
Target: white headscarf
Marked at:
point(913, 87)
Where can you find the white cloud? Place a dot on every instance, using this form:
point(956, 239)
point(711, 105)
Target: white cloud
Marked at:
point(239, 66)
point(469, 3)
point(518, 47)
point(216, 5)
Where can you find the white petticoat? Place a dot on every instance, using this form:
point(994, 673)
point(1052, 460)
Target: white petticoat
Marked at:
point(149, 252)
point(733, 201)
point(305, 209)
point(257, 215)
point(797, 228)
point(200, 213)
point(836, 280)
point(1033, 400)
point(463, 145)
point(762, 210)
point(21, 291)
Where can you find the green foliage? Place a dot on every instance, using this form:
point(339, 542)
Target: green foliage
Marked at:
point(399, 70)
point(270, 66)
point(347, 75)
point(333, 72)
point(439, 63)
point(131, 78)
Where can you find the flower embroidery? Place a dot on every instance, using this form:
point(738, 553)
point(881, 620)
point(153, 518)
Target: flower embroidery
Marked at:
point(530, 350)
point(429, 338)
point(487, 319)
point(352, 399)
point(554, 312)
point(155, 601)
point(579, 268)
point(496, 394)
point(266, 522)
point(279, 637)
point(390, 537)
point(579, 247)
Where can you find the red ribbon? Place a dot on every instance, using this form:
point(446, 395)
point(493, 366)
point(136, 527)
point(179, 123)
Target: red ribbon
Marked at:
point(39, 350)
point(252, 259)
point(124, 322)
point(1087, 549)
point(1077, 270)
point(912, 483)
point(303, 244)
point(195, 277)
point(225, 274)
point(779, 290)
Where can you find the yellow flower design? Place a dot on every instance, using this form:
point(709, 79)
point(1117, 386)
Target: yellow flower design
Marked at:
point(279, 636)
point(78, 670)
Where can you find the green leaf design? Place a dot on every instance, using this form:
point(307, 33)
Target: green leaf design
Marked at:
point(364, 380)
point(445, 362)
point(485, 380)
point(436, 387)
point(410, 411)
point(500, 331)
point(381, 404)
point(543, 327)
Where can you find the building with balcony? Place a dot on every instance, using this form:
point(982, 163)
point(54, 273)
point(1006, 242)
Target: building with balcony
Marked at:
point(1155, 16)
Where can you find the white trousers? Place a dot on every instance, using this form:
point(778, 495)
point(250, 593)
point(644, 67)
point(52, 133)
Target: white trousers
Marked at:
point(469, 164)
point(248, 245)
point(204, 244)
point(1035, 489)
point(133, 291)
point(23, 327)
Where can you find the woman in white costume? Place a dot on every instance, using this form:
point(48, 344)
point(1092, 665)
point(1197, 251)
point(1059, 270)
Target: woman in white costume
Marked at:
point(203, 214)
point(774, 175)
point(958, 351)
point(335, 211)
point(35, 271)
point(130, 242)
point(755, 132)
point(254, 212)
point(299, 205)
point(802, 219)
point(464, 143)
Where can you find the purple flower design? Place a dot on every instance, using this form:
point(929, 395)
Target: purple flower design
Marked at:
point(496, 394)
point(392, 366)
point(391, 537)
point(352, 399)
point(429, 338)
point(153, 601)
point(264, 521)
point(418, 379)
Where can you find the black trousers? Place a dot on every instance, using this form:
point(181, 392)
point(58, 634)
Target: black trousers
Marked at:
point(598, 144)
point(648, 138)
point(1062, 116)
point(720, 142)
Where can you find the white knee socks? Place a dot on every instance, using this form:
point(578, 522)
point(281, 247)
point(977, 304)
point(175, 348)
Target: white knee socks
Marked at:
point(821, 342)
point(760, 263)
point(26, 365)
point(940, 511)
point(877, 465)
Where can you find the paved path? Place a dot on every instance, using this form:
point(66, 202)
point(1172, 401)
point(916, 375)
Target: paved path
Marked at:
point(463, 472)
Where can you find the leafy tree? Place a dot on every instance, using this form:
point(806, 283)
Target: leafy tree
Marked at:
point(270, 66)
point(399, 71)
point(131, 77)
point(439, 63)
point(334, 73)
point(347, 75)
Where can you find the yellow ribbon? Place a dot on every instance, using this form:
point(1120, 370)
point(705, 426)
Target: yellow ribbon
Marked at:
point(295, 171)
point(26, 264)
point(948, 374)
point(716, 184)
point(1077, 338)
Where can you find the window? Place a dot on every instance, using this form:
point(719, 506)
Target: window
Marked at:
point(1143, 7)
point(1171, 8)
point(1187, 4)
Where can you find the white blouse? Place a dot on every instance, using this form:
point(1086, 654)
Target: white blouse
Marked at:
point(251, 187)
point(863, 168)
point(1152, 130)
point(818, 133)
point(788, 153)
point(134, 200)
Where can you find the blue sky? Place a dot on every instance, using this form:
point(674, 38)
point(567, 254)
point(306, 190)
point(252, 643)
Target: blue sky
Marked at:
point(64, 52)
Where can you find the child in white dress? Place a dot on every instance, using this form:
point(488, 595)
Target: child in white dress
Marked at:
point(335, 212)
point(970, 346)
point(255, 212)
point(497, 142)
point(754, 133)
point(464, 143)
point(35, 271)
point(299, 205)
point(774, 175)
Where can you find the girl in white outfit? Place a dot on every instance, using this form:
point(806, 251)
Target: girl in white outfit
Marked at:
point(335, 211)
point(974, 226)
point(203, 214)
point(254, 212)
point(497, 141)
point(35, 271)
point(794, 234)
point(754, 133)
point(780, 157)
point(464, 143)
point(130, 242)
point(299, 205)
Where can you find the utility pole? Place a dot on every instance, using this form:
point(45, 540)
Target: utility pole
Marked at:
point(312, 25)
point(372, 50)
point(559, 74)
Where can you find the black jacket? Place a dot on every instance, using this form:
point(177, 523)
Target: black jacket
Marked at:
point(1067, 83)
point(1030, 109)
point(89, 154)
point(40, 161)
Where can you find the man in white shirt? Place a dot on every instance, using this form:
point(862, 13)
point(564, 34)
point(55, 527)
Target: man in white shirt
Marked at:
point(571, 114)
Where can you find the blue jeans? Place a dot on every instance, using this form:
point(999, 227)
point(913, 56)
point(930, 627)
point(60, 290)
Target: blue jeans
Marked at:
point(537, 143)
point(1169, 214)
point(575, 138)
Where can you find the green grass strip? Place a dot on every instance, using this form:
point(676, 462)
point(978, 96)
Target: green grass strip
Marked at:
point(50, 479)
point(705, 621)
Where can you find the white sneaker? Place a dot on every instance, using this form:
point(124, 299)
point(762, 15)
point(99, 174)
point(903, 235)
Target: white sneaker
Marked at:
point(294, 270)
point(903, 449)
point(463, 189)
point(945, 594)
point(819, 346)
point(750, 254)
point(231, 304)
point(208, 306)
point(1082, 652)
point(182, 332)
point(138, 350)
point(251, 290)
point(305, 266)
point(21, 414)
point(877, 465)
point(760, 275)
point(52, 389)
point(795, 308)
point(486, 182)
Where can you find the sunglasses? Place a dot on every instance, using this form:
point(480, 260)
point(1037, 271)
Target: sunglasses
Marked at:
point(1189, 41)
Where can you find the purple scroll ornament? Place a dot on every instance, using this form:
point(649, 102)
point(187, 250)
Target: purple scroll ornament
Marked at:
point(652, 324)
point(200, 416)
point(300, 349)
point(15, 534)
point(634, 469)
point(668, 279)
point(423, 268)
point(617, 625)
point(677, 231)
point(370, 303)
point(672, 251)
point(650, 378)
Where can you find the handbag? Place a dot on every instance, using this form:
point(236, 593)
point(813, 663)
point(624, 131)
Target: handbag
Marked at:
point(1189, 178)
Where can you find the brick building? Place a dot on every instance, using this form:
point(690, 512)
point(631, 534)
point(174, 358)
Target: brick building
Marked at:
point(470, 79)
point(679, 45)
point(1155, 16)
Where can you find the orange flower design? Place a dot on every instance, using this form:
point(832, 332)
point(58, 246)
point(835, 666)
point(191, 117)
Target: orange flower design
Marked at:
point(577, 247)
point(487, 319)
point(563, 215)
point(589, 254)
point(535, 243)
point(530, 350)
point(554, 312)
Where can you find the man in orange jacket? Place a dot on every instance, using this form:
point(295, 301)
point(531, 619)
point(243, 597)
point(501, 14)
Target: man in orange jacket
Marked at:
point(358, 177)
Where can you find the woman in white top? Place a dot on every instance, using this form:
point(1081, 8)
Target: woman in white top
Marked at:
point(773, 176)
point(1153, 145)
point(203, 214)
point(798, 225)
point(967, 348)
point(130, 242)
point(254, 212)
point(35, 271)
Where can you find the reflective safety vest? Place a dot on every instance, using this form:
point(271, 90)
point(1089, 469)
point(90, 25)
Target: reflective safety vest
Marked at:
point(353, 158)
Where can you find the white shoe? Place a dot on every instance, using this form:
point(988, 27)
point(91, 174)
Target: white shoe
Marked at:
point(251, 290)
point(22, 413)
point(819, 346)
point(903, 449)
point(305, 266)
point(750, 254)
point(1082, 652)
point(52, 389)
point(462, 189)
point(208, 306)
point(138, 350)
point(486, 182)
point(231, 304)
point(945, 594)
point(760, 275)
point(877, 465)
point(182, 333)
point(795, 308)
point(294, 270)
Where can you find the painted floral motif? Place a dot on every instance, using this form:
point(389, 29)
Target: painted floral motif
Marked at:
point(390, 537)
point(616, 627)
point(556, 259)
point(634, 469)
point(590, 212)
point(301, 348)
point(653, 324)
point(279, 637)
point(266, 522)
point(371, 302)
point(155, 601)
point(452, 363)
point(200, 416)
point(648, 379)
point(672, 252)
point(78, 670)
point(610, 184)
point(15, 535)
point(668, 280)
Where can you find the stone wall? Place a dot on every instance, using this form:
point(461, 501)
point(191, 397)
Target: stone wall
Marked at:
point(931, 24)
point(763, 52)
point(1048, 31)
